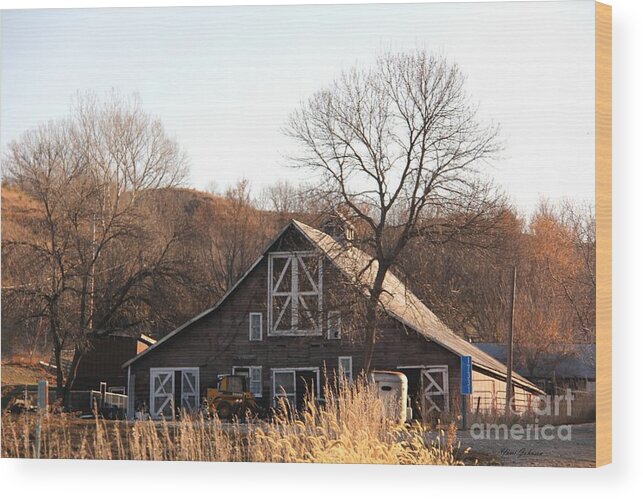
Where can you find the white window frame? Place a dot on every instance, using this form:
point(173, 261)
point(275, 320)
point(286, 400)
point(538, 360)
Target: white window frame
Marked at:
point(293, 296)
point(332, 315)
point(292, 370)
point(251, 369)
point(255, 314)
point(287, 395)
point(341, 370)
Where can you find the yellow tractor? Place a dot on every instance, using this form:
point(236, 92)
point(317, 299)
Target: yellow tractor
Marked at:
point(231, 397)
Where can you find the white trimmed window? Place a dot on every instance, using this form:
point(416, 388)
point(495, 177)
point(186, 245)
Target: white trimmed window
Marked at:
point(346, 368)
point(284, 386)
point(256, 320)
point(334, 325)
point(253, 375)
point(294, 293)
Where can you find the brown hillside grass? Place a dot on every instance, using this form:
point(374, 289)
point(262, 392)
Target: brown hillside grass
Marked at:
point(20, 373)
point(21, 215)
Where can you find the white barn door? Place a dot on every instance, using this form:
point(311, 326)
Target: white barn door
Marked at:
point(166, 384)
point(162, 393)
point(435, 390)
point(190, 389)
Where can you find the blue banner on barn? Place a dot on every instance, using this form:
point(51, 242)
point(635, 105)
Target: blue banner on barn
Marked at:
point(466, 375)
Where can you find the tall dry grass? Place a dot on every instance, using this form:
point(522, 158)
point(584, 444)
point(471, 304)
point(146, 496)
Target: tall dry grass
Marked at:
point(351, 427)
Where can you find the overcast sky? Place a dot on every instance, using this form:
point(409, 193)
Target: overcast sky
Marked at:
point(223, 80)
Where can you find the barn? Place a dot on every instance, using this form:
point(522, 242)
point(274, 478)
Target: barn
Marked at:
point(285, 326)
point(103, 357)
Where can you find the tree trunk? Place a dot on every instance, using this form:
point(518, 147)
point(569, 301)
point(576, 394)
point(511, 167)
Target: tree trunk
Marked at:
point(371, 317)
point(60, 382)
point(71, 377)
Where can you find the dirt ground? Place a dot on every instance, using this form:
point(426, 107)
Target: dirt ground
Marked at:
point(578, 451)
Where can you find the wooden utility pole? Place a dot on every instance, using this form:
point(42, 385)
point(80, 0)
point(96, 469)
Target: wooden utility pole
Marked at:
point(510, 347)
point(92, 278)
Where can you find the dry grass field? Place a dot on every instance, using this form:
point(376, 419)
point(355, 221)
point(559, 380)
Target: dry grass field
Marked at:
point(351, 427)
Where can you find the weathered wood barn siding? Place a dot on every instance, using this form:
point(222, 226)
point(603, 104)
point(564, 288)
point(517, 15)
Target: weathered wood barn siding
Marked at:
point(103, 360)
point(220, 340)
point(489, 394)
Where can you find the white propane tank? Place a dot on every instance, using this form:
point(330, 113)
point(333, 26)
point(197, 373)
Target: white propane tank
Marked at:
point(392, 388)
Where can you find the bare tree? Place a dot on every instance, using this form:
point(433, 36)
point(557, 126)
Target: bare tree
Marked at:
point(286, 198)
point(400, 144)
point(281, 197)
point(89, 174)
point(236, 236)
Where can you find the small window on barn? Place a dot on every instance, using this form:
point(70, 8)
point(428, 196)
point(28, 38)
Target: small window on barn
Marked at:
point(256, 332)
point(334, 325)
point(346, 368)
point(256, 386)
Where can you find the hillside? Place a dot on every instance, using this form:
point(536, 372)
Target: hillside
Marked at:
point(15, 373)
point(21, 215)
point(218, 237)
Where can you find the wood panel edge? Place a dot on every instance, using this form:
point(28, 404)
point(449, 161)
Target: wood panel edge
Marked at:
point(603, 116)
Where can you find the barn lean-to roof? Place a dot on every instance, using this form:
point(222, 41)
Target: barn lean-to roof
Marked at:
point(397, 300)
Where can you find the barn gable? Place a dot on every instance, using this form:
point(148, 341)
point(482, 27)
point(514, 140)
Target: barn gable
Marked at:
point(279, 243)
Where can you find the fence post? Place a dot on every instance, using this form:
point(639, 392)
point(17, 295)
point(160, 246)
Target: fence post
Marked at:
point(465, 411)
point(103, 393)
point(43, 400)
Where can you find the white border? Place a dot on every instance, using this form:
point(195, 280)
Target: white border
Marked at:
point(285, 481)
